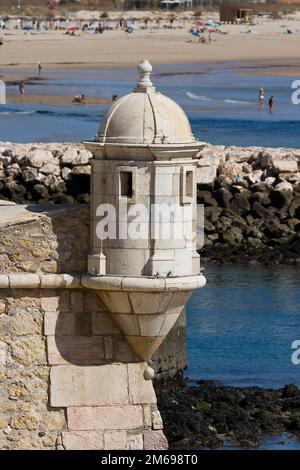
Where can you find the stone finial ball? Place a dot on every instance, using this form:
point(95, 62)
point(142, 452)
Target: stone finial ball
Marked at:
point(144, 67)
point(148, 373)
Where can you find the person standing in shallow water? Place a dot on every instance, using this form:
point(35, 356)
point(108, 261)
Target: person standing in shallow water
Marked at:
point(21, 88)
point(271, 104)
point(261, 97)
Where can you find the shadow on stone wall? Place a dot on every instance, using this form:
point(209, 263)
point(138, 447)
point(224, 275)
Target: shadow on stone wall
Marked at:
point(55, 239)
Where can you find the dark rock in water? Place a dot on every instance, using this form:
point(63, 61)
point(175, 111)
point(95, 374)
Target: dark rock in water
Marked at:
point(232, 236)
point(274, 229)
point(290, 391)
point(222, 224)
point(208, 413)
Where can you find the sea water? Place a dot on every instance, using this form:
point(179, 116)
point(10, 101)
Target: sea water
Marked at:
point(240, 330)
point(221, 102)
point(241, 326)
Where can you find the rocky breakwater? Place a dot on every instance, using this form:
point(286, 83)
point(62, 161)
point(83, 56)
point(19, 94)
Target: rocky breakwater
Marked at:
point(252, 204)
point(44, 173)
point(251, 195)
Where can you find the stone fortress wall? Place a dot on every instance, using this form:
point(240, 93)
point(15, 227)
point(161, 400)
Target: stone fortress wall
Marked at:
point(68, 379)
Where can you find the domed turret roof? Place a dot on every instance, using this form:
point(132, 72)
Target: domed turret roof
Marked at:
point(145, 116)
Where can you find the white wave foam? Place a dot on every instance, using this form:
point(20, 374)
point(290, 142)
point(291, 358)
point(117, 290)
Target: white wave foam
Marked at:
point(236, 101)
point(7, 113)
point(194, 96)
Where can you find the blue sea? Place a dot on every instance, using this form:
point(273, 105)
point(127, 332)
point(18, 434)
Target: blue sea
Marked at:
point(240, 330)
point(221, 102)
point(241, 326)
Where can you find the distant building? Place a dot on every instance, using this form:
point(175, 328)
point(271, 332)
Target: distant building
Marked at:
point(234, 12)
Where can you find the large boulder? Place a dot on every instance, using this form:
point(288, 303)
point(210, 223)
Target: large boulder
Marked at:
point(241, 201)
point(281, 198)
point(223, 196)
point(233, 236)
point(206, 174)
point(206, 198)
point(74, 157)
point(284, 186)
point(213, 213)
point(38, 158)
point(288, 164)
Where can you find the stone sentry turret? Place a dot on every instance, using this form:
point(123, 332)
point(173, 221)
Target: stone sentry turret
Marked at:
point(143, 261)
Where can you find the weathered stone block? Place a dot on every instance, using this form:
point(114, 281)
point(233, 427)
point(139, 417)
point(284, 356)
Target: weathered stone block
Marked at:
point(89, 386)
point(5, 324)
point(140, 390)
point(2, 306)
point(103, 324)
point(88, 440)
point(53, 420)
point(115, 440)
point(59, 323)
point(50, 304)
point(25, 323)
point(105, 417)
point(80, 350)
point(29, 350)
point(30, 421)
point(155, 440)
point(135, 441)
point(3, 353)
point(147, 416)
point(157, 422)
point(17, 389)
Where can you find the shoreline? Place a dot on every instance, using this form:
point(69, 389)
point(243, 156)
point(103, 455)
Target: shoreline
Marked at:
point(246, 67)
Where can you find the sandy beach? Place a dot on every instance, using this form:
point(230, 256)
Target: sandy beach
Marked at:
point(266, 44)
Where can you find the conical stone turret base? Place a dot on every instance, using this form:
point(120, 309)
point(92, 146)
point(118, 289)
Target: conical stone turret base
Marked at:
point(145, 309)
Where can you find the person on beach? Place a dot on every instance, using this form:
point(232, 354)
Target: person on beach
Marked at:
point(79, 99)
point(261, 97)
point(114, 97)
point(271, 104)
point(21, 88)
point(40, 68)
